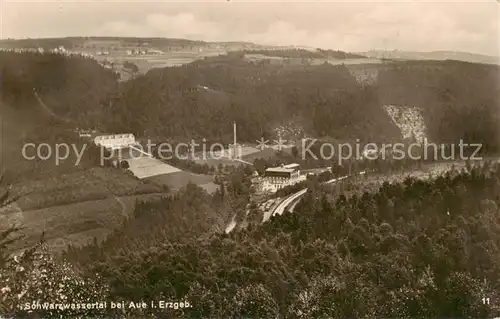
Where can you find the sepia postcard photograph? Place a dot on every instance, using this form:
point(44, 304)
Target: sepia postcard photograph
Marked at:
point(249, 159)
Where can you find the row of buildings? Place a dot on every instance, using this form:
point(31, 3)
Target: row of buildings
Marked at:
point(109, 141)
point(115, 141)
point(144, 52)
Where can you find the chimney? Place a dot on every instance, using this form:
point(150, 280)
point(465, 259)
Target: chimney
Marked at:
point(234, 137)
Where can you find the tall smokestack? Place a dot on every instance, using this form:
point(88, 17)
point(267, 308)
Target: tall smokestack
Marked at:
point(234, 142)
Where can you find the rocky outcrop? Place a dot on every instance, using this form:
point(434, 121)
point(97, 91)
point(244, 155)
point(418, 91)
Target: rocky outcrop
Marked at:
point(409, 120)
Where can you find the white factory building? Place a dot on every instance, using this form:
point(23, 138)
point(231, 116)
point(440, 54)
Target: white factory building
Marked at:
point(115, 141)
point(278, 177)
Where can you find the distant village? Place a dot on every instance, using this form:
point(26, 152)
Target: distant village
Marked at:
point(64, 51)
point(110, 52)
point(59, 50)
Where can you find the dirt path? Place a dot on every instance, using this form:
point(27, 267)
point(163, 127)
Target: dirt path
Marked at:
point(123, 206)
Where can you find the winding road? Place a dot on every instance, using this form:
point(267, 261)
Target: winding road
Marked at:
point(293, 199)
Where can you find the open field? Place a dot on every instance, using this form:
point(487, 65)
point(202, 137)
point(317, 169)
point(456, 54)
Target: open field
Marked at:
point(180, 179)
point(215, 158)
point(92, 184)
point(76, 223)
point(159, 173)
point(248, 154)
point(142, 165)
point(248, 150)
point(242, 151)
point(354, 61)
point(265, 153)
point(74, 208)
point(145, 167)
point(167, 59)
point(210, 187)
point(308, 61)
point(146, 62)
point(216, 161)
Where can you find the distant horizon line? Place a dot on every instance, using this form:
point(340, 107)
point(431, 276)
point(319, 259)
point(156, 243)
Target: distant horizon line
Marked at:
point(298, 46)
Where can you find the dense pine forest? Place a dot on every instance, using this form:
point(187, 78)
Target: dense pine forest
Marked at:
point(416, 249)
point(419, 249)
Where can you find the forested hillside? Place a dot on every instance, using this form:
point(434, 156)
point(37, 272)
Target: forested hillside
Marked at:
point(73, 87)
point(257, 97)
point(203, 98)
point(44, 98)
point(458, 99)
point(419, 249)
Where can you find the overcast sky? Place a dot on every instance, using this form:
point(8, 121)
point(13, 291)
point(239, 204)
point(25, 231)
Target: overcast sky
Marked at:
point(471, 26)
